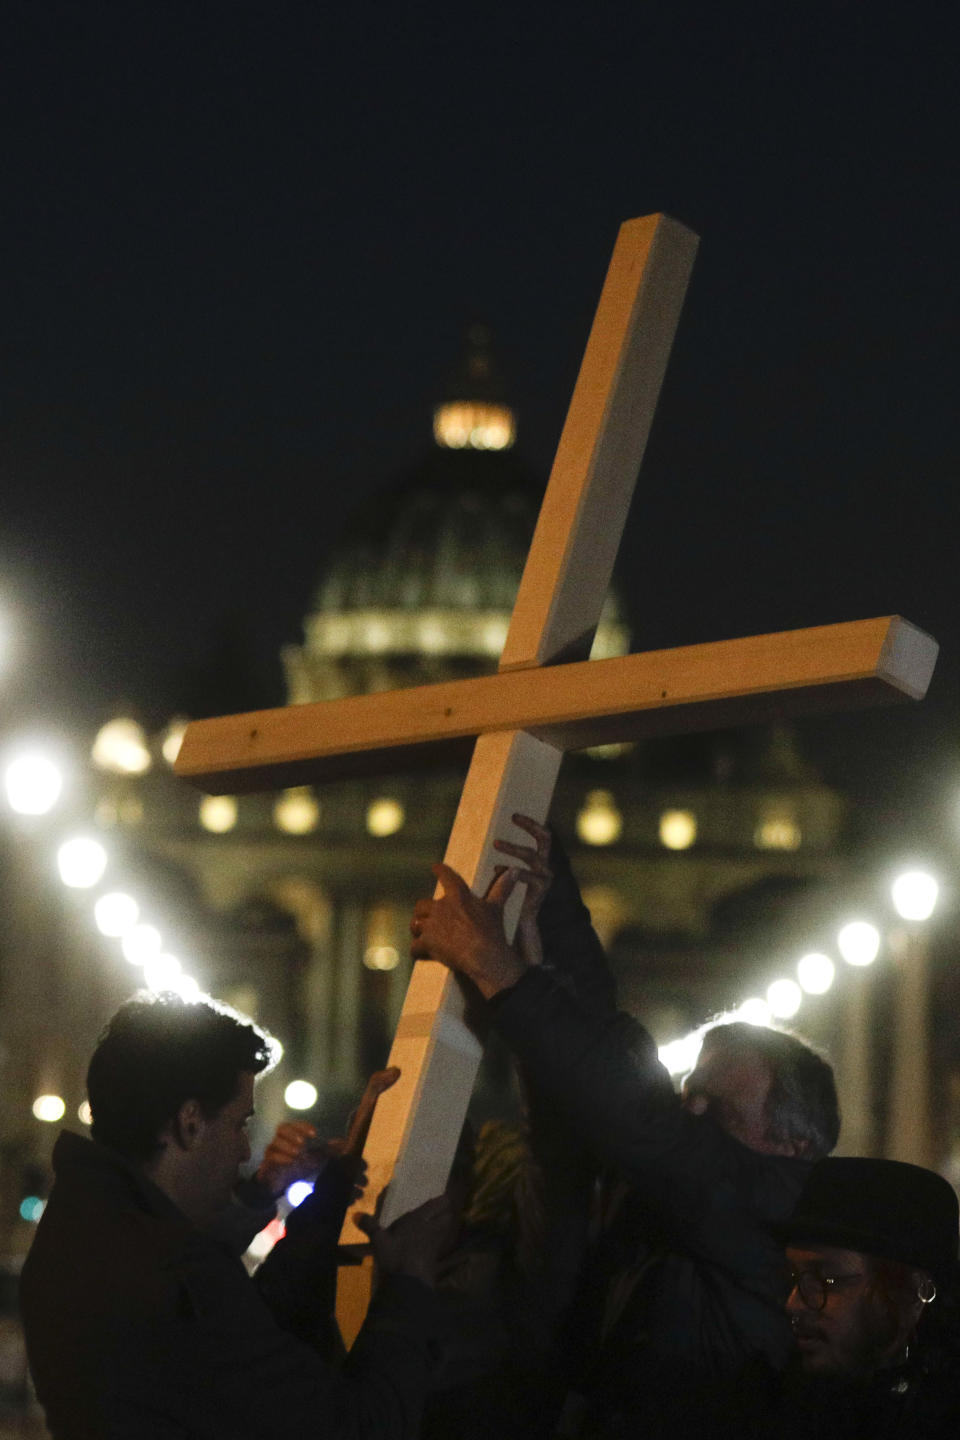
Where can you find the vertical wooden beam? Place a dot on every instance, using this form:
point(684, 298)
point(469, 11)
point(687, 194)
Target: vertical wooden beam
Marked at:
point(418, 1123)
point(584, 510)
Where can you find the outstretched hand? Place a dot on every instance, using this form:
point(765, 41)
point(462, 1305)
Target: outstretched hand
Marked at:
point(356, 1136)
point(465, 931)
point(536, 877)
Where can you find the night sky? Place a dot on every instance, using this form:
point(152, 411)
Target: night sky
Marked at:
point(240, 242)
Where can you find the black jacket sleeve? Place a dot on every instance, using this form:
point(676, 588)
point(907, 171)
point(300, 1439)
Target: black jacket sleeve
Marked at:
point(606, 1082)
point(572, 951)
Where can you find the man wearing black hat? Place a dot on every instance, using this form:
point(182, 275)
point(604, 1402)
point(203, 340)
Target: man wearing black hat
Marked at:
point(872, 1251)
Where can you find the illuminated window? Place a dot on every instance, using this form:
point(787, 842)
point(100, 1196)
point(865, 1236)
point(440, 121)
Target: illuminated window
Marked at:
point(376, 636)
point(473, 425)
point(297, 811)
point(385, 817)
point(493, 636)
point(380, 935)
point(599, 822)
point(218, 813)
point(432, 638)
point(121, 747)
point(678, 829)
point(777, 830)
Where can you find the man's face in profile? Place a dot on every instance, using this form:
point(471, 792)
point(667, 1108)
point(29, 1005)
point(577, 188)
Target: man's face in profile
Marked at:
point(224, 1146)
point(732, 1086)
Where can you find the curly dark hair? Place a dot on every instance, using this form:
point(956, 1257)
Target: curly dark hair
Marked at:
point(159, 1051)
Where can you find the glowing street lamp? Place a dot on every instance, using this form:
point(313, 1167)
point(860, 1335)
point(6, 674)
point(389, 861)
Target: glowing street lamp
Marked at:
point(816, 973)
point(81, 862)
point(784, 998)
point(859, 942)
point(49, 1108)
point(300, 1095)
point(914, 895)
point(141, 944)
point(116, 914)
point(754, 1012)
point(162, 972)
point(33, 783)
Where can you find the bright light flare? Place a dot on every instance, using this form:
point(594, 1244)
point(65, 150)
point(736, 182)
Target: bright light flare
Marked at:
point(680, 1056)
point(300, 1095)
point(859, 942)
point(914, 895)
point(33, 783)
point(162, 972)
point(816, 973)
point(81, 862)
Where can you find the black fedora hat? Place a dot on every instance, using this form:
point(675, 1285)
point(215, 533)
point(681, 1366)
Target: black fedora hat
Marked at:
point(879, 1207)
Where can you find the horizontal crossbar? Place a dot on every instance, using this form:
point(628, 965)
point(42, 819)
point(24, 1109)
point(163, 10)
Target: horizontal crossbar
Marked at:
point(594, 702)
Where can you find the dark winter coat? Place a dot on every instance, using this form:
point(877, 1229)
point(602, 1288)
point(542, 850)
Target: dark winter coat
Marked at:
point(704, 1276)
point(139, 1325)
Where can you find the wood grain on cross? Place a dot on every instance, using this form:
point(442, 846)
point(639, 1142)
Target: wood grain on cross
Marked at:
point(547, 696)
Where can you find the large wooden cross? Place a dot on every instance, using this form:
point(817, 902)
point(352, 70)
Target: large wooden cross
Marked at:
point(547, 696)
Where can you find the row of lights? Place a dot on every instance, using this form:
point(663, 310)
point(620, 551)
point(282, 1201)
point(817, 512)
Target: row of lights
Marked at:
point(121, 748)
point(297, 812)
point(33, 784)
point(599, 822)
point(914, 895)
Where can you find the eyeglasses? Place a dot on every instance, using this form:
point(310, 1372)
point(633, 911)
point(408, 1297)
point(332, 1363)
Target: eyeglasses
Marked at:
point(814, 1288)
